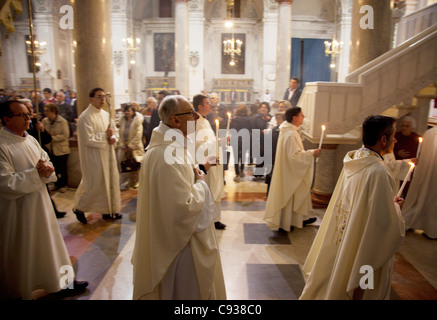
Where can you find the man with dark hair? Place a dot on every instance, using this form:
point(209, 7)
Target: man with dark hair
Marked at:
point(289, 200)
point(32, 251)
point(293, 93)
point(97, 135)
point(206, 141)
point(352, 254)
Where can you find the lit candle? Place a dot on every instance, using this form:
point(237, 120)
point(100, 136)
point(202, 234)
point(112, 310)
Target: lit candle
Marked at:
point(217, 124)
point(321, 138)
point(418, 148)
point(229, 124)
point(407, 178)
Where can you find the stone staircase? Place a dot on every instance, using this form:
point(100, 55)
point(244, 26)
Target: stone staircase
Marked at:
point(385, 85)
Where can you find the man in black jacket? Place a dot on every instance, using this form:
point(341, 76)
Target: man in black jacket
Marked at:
point(293, 93)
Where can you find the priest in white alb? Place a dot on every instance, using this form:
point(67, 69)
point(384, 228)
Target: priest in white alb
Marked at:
point(206, 146)
point(33, 255)
point(99, 189)
point(352, 254)
point(176, 254)
point(289, 199)
point(420, 207)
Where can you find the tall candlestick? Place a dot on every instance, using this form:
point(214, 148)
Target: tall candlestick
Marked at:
point(406, 179)
point(321, 138)
point(418, 148)
point(217, 124)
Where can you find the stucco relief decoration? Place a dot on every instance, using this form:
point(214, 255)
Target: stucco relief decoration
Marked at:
point(118, 5)
point(195, 4)
point(194, 59)
point(43, 6)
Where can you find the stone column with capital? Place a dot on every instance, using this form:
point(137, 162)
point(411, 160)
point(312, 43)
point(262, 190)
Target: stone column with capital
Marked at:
point(181, 46)
point(93, 52)
point(283, 54)
point(371, 32)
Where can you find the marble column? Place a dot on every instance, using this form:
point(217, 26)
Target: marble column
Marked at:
point(325, 177)
point(196, 26)
point(283, 53)
point(270, 29)
point(181, 46)
point(371, 32)
point(93, 52)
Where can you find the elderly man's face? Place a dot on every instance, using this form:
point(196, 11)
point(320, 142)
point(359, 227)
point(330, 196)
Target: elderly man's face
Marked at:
point(186, 115)
point(406, 127)
point(60, 97)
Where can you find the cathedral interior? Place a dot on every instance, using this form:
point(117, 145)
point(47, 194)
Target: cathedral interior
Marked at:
point(353, 58)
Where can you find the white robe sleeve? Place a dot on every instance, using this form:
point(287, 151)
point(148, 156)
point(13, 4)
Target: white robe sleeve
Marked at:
point(209, 211)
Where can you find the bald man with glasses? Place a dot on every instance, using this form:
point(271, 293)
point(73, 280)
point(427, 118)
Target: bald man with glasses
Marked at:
point(176, 253)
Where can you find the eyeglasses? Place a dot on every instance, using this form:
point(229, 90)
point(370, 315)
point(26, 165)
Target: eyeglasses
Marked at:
point(192, 112)
point(100, 97)
point(24, 115)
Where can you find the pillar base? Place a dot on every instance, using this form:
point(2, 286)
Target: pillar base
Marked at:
point(320, 200)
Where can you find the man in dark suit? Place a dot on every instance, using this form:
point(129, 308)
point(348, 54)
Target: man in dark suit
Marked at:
point(293, 93)
point(154, 119)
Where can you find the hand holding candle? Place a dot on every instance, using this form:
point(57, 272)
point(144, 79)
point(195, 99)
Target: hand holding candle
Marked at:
point(407, 178)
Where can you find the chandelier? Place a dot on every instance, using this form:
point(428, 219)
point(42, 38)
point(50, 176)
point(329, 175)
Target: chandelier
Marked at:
point(131, 45)
point(333, 48)
point(232, 47)
point(39, 48)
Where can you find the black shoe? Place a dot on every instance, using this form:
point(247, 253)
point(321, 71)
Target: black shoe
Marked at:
point(60, 214)
point(428, 237)
point(218, 225)
point(80, 215)
point(107, 216)
point(309, 221)
point(78, 287)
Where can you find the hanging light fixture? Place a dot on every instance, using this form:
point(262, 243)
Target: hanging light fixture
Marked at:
point(333, 48)
point(231, 46)
point(131, 45)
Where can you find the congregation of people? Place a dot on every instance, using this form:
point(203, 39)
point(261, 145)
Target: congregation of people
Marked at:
point(176, 253)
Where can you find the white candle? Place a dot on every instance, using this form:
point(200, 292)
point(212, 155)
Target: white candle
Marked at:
point(217, 124)
point(229, 124)
point(321, 138)
point(407, 178)
point(418, 148)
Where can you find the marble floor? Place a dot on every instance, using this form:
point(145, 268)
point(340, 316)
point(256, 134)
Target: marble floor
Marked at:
point(258, 264)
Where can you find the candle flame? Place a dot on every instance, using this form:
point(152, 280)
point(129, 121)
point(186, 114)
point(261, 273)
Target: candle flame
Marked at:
point(229, 114)
point(420, 139)
point(323, 128)
point(217, 122)
point(411, 164)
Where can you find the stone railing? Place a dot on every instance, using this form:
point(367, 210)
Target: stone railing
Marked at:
point(372, 89)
